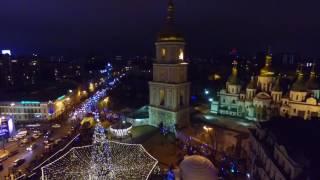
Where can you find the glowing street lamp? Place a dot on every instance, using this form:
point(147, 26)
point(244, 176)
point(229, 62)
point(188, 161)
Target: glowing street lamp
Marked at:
point(91, 87)
point(207, 128)
point(206, 92)
point(210, 99)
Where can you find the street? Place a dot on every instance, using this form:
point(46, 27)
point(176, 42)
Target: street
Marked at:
point(62, 131)
point(29, 156)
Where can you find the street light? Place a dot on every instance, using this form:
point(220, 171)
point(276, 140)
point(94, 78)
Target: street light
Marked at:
point(206, 92)
point(207, 128)
point(210, 99)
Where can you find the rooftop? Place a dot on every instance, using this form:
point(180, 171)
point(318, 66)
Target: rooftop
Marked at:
point(298, 136)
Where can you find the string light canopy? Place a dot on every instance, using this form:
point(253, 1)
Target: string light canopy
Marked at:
point(103, 159)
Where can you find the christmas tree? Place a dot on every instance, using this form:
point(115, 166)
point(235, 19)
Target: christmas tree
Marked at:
point(101, 162)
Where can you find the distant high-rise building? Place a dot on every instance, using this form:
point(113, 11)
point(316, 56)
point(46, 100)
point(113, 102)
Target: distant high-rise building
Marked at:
point(170, 89)
point(6, 78)
point(289, 59)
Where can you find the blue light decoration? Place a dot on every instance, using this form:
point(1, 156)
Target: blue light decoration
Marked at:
point(170, 175)
point(30, 102)
point(193, 98)
point(6, 127)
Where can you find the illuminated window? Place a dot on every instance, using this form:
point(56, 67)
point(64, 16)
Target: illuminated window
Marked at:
point(161, 97)
point(163, 52)
point(181, 55)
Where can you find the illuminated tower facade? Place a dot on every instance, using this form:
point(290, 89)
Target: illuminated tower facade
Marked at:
point(170, 89)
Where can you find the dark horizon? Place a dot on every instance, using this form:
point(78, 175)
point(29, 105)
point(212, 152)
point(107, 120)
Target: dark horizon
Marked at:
point(129, 28)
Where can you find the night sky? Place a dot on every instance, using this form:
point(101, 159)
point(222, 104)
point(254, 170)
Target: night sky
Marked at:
point(129, 27)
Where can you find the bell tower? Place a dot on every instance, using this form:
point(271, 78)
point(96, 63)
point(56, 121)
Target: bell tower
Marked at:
point(169, 89)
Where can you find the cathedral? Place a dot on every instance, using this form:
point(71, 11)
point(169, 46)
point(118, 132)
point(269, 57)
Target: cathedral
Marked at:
point(263, 96)
point(169, 90)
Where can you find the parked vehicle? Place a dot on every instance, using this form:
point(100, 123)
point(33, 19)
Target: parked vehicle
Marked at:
point(21, 134)
point(18, 162)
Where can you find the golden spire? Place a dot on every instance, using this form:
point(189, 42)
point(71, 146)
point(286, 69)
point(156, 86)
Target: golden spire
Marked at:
point(170, 15)
point(313, 74)
point(234, 68)
point(299, 84)
point(268, 57)
point(233, 78)
point(267, 69)
point(169, 32)
point(312, 83)
point(300, 72)
point(298, 69)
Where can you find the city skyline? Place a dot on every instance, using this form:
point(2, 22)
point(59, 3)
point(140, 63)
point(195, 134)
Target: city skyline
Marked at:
point(62, 28)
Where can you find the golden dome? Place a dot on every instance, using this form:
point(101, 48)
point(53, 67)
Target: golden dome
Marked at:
point(299, 84)
point(169, 32)
point(267, 70)
point(233, 78)
point(312, 83)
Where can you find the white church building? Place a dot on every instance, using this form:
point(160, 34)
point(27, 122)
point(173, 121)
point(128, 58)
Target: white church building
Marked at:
point(263, 96)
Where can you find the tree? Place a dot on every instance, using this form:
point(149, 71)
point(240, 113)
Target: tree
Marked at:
point(101, 163)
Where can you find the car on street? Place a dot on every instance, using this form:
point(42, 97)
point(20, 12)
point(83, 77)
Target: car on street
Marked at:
point(18, 162)
point(31, 147)
point(56, 126)
point(25, 141)
point(22, 133)
point(48, 134)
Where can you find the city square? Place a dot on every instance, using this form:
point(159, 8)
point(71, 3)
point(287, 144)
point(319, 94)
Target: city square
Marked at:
point(181, 103)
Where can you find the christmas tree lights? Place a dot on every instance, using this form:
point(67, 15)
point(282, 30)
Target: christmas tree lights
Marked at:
point(103, 159)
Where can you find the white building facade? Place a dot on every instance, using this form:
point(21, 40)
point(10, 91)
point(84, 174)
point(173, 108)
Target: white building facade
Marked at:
point(263, 96)
point(26, 110)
